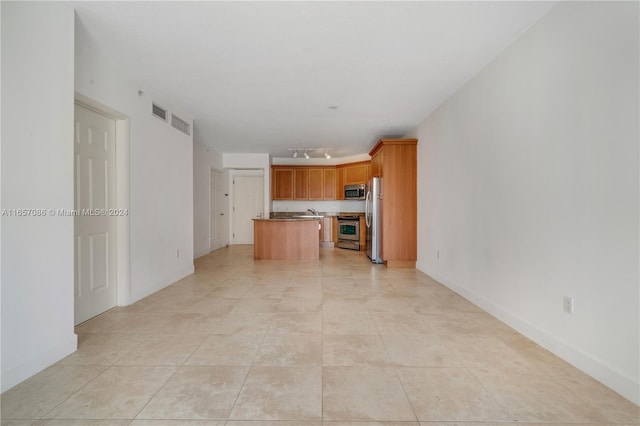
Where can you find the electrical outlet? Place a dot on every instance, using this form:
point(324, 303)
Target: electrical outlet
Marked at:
point(178, 253)
point(438, 254)
point(567, 305)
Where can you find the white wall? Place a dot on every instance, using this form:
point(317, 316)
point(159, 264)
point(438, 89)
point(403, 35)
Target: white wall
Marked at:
point(37, 173)
point(205, 159)
point(528, 188)
point(161, 172)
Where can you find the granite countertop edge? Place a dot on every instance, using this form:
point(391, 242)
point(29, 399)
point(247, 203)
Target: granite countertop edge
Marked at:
point(289, 215)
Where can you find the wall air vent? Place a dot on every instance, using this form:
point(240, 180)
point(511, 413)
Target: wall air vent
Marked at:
point(180, 124)
point(159, 112)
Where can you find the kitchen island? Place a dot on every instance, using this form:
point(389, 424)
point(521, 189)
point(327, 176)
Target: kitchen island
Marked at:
point(286, 239)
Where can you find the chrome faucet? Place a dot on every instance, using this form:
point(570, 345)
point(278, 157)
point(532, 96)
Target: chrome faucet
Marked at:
point(313, 212)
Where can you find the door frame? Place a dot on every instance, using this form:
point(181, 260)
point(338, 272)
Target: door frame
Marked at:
point(123, 257)
point(232, 174)
point(224, 207)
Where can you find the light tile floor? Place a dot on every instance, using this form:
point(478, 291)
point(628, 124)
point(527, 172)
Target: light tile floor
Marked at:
point(336, 342)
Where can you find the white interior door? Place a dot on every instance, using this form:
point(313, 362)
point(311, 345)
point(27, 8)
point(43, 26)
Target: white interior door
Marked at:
point(94, 231)
point(248, 203)
point(216, 210)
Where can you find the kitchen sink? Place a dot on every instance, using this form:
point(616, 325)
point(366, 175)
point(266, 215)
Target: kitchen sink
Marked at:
point(308, 216)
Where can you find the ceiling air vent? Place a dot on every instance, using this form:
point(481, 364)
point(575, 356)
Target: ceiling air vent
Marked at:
point(159, 112)
point(180, 124)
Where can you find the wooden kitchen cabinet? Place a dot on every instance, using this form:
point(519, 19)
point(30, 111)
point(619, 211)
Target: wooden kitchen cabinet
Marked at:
point(334, 230)
point(375, 169)
point(286, 239)
point(282, 179)
point(395, 160)
point(329, 183)
point(356, 173)
point(351, 174)
point(326, 232)
point(363, 233)
point(301, 184)
point(316, 184)
point(340, 182)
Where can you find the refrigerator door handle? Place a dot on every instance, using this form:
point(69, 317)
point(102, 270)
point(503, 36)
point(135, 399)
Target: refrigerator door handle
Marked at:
point(367, 217)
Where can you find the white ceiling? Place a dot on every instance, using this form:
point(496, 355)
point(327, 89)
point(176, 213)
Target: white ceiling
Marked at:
point(262, 76)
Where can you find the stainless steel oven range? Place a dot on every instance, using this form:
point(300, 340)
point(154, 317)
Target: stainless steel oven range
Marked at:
point(349, 232)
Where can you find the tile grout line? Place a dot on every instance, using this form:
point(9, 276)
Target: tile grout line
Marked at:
point(107, 368)
point(470, 370)
point(235, 400)
point(322, 351)
point(44, 416)
point(177, 368)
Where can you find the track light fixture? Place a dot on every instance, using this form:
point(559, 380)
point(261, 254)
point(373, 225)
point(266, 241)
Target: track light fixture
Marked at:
point(305, 152)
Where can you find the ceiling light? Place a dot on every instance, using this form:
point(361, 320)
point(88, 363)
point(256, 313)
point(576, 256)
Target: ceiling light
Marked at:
point(305, 154)
point(295, 153)
point(326, 154)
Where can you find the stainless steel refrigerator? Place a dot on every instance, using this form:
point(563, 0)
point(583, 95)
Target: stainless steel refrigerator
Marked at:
point(373, 218)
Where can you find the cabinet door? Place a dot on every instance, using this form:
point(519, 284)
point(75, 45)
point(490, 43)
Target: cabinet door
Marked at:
point(340, 183)
point(355, 174)
point(327, 230)
point(316, 183)
point(329, 184)
point(282, 183)
point(301, 184)
point(376, 164)
point(363, 233)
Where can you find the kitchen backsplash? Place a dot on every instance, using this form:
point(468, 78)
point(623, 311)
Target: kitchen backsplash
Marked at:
point(321, 206)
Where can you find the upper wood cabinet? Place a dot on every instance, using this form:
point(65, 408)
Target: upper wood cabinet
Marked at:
point(282, 179)
point(351, 174)
point(303, 183)
point(329, 183)
point(316, 184)
point(355, 173)
point(395, 160)
point(375, 168)
point(339, 183)
point(300, 184)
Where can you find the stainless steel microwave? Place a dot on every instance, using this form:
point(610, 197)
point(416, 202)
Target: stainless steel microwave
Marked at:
point(354, 192)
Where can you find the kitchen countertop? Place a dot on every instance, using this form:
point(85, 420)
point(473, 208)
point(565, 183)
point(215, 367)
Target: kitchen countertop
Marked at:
point(289, 215)
point(285, 219)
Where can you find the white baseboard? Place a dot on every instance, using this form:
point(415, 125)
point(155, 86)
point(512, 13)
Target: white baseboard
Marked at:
point(45, 358)
point(144, 292)
point(610, 377)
